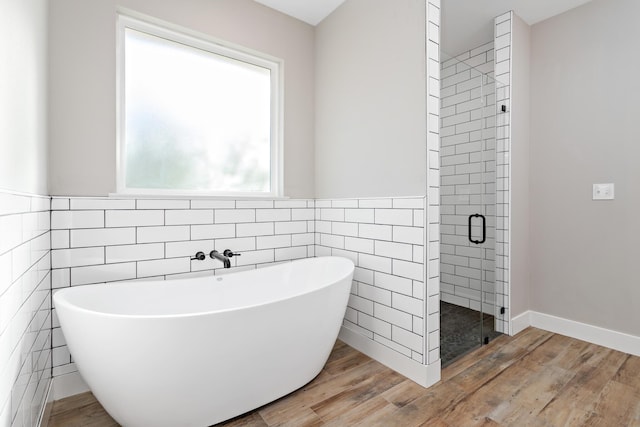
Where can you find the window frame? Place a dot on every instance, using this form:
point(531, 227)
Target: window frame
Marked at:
point(207, 43)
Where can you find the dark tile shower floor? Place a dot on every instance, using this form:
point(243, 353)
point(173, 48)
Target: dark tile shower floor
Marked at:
point(460, 331)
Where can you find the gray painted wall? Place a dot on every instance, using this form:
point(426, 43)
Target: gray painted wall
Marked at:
point(23, 96)
point(83, 83)
point(371, 108)
point(584, 130)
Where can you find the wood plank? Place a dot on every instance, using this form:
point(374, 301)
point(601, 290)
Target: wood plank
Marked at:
point(488, 422)
point(251, 420)
point(287, 408)
point(629, 372)
point(340, 350)
point(579, 396)
point(535, 390)
point(435, 422)
point(306, 418)
point(430, 405)
point(559, 351)
point(350, 399)
point(91, 415)
point(373, 408)
point(345, 363)
point(403, 393)
point(493, 364)
point(619, 405)
point(493, 398)
point(73, 402)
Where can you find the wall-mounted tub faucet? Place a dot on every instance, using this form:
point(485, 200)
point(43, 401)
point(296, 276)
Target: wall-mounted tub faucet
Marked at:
point(224, 256)
point(200, 256)
point(229, 253)
point(220, 257)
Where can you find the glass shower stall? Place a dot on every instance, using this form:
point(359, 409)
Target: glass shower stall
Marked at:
point(468, 114)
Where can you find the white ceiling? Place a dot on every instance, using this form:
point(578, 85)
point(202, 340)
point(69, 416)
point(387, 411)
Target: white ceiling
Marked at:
point(465, 23)
point(309, 11)
point(468, 23)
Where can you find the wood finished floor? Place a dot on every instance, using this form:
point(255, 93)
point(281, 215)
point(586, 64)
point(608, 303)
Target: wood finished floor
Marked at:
point(536, 378)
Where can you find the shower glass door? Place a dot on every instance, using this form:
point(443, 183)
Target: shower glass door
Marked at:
point(489, 308)
point(468, 205)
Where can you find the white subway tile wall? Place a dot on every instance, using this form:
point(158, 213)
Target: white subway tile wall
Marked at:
point(383, 239)
point(100, 240)
point(503, 167)
point(468, 176)
point(25, 308)
point(431, 250)
point(152, 239)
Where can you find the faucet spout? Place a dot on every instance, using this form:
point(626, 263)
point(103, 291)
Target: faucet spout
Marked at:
point(220, 257)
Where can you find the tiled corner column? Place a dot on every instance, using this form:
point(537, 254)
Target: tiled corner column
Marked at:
point(503, 42)
point(102, 240)
point(25, 308)
point(395, 299)
point(432, 212)
point(468, 169)
point(385, 239)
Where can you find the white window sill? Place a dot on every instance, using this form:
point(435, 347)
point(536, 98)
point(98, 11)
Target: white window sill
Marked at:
point(212, 196)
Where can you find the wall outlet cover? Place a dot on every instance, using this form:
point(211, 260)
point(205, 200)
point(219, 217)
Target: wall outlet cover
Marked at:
point(603, 191)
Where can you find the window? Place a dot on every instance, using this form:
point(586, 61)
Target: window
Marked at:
point(195, 116)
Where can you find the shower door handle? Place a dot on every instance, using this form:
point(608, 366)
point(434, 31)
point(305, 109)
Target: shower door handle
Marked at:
point(484, 229)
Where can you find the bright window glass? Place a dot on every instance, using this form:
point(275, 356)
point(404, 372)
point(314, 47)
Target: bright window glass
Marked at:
point(195, 120)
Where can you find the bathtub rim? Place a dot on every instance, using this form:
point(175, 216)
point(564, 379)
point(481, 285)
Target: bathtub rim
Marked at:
point(61, 300)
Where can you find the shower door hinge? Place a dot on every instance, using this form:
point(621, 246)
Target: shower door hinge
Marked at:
point(502, 310)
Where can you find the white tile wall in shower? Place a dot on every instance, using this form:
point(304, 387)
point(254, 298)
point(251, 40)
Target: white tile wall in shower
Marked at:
point(385, 239)
point(99, 240)
point(467, 186)
point(25, 315)
point(503, 43)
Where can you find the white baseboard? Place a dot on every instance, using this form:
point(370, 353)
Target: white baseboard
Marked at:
point(424, 375)
point(582, 331)
point(593, 334)
point(67, 385)
point(520, 323)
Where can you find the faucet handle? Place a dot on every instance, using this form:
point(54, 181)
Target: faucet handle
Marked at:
point(200, 256)
point(229, 253)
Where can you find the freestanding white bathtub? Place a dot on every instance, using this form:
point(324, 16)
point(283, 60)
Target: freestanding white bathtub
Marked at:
point(196, 352)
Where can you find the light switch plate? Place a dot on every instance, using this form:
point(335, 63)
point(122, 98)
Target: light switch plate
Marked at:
point(603, 192)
